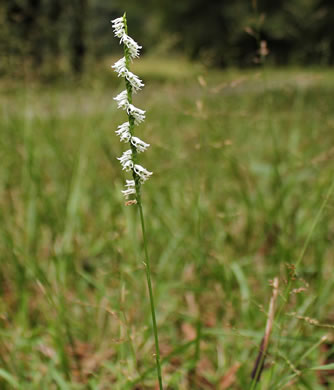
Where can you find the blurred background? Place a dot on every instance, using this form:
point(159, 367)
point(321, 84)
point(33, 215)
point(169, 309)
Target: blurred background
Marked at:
point(57, 36)
point(239, 97)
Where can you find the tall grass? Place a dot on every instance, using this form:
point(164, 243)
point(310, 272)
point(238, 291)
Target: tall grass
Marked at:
point(243, 171)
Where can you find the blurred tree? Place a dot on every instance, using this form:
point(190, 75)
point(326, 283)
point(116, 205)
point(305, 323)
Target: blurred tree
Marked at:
point(47, 33)
point(324, 43)
point(230, 32)
point(54, 12)
point(25, 22)
point(289, 27)
point(77, 38)
point(212, 31)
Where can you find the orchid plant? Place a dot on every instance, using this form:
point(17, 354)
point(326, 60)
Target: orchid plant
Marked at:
point(129, 159)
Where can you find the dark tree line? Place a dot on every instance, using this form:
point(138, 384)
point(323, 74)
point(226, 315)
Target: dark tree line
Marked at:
point(229, 32)
point(65, 33)
point(40, 32)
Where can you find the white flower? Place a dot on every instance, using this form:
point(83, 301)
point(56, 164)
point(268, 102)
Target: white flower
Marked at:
point(134, 80)
point(140, 145)
point(131, 188)
point(124, 132)
point(127, 166)
point(120, 67)
point(137, 113)
point(126, 160)
point(131, 44)
point(118, 27)
point(122, 99)
point(143, 173)
point(118, 20)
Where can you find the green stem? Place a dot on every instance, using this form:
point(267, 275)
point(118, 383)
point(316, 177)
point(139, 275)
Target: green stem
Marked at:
point(256, 378)
point(150, 291)
point(138, 199)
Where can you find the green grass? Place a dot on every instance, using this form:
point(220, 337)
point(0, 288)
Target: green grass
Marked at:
point(242, 164)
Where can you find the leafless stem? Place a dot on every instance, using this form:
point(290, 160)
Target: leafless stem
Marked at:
point(259, 363)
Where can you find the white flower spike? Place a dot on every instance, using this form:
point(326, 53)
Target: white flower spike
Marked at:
point(136, 116)
point(130, 157)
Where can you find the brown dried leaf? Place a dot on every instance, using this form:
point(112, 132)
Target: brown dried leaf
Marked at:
point(229, 378)
point(188, 331)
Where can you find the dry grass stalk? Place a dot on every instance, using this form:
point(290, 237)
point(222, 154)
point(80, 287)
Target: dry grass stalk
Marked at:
point(259, 363)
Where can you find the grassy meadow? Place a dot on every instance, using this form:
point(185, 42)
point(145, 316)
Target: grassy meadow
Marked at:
point(241, 194)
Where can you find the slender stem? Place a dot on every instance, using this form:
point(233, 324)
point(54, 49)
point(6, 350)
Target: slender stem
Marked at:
point(137, 181)
point(259, 363)
point(198, 340)
point(150, 291)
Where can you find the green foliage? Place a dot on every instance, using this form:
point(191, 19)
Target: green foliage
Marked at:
point(242, 164)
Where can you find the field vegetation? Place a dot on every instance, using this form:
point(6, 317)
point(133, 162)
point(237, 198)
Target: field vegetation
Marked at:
point(242, 192)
